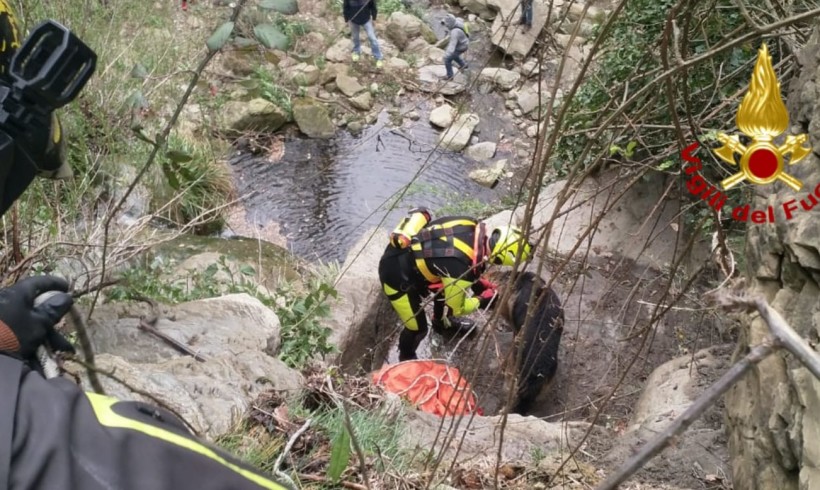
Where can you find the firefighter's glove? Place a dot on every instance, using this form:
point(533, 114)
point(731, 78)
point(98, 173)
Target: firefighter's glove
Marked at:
point(486, 297)
point(487, 284)
point(24, 327)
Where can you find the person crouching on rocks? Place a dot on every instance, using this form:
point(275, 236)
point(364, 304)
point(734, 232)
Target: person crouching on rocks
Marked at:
point(450, 254)
point(458, 45)
point(361, 13)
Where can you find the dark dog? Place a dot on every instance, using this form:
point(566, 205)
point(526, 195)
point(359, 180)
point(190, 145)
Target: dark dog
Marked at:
point(541, 338)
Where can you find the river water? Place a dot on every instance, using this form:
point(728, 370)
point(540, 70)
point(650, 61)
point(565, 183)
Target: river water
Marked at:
point(324, 194)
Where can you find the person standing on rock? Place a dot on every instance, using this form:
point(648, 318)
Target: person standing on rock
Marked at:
point(52, 434)
point(446, 256)
point(526, 15)
point(458, 45)
point(362, 13)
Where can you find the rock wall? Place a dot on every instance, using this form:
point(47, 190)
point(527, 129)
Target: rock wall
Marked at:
point(772, 414)
point(363, 322)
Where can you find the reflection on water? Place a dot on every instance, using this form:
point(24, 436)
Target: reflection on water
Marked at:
point(326, 193)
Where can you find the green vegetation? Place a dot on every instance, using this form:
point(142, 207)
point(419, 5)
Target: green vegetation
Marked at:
point(303, 335)
point(138, 82)
point(630, 59)
point(327, 446)
point(197, 183)
point(271, 89)
point(300, 311)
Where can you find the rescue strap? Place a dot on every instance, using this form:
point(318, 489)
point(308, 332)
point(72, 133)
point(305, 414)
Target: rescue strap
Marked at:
point(444, 234)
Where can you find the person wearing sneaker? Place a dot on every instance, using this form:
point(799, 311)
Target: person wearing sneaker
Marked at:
point(446, 256)
point(458, 45)
point(362, 13)
point(526, 15)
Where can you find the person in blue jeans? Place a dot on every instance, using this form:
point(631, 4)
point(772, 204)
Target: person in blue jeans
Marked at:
point(526, 15)
point(362, 13)
point(458, 45)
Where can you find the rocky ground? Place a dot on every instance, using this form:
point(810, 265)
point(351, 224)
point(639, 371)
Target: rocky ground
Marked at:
point(608, 297)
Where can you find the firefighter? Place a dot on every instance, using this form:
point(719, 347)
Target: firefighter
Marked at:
point(55, 436)
point(446, 256)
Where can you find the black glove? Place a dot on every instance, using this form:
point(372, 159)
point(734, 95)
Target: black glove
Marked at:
point(24, 327)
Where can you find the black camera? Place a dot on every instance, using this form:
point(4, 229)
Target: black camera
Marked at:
point(46, 73)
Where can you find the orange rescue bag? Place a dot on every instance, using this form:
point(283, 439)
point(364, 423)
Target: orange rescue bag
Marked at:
point(432, 386)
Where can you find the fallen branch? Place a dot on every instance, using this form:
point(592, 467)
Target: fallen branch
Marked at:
point(176, 344)
point(321, 479)
point(276, 471)
point(88, 351)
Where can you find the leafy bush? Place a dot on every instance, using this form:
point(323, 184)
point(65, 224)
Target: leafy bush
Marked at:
point(631, 58)
point(271, 90)
point(195, 182)
point(303, 335)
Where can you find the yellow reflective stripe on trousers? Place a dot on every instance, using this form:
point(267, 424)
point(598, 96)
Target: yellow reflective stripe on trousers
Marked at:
point(107, 417)
point(455, 295)
point(403, 308)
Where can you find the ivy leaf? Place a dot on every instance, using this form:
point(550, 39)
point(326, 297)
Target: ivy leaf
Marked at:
point(339, 455)
point(137, 101)
point(139, 71)
point(173, 181)
point(178, 156)
point(271, 37)
point(220, 37)
point(247, 270)
point(287, 7)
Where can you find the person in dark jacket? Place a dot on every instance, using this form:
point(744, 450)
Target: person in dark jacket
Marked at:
point(526, 15)
point(458, 44)
point(450, 254)
point(362, 13)
point(55, 436)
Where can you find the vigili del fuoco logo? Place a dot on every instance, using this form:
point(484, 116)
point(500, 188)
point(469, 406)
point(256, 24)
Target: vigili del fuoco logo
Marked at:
point(762, 116)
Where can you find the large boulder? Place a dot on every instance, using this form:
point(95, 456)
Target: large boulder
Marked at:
point(363, 101)
point(503, 78)
point(232, 334)
point(302, 74)
point(341, 50)
point(331, 71)
point(442, 116)
point(431, 80)
point(772, 417)
point(349, 86)
point(481, 8)
point(668, 392)
point(481, 151)
point(313, 119)
point(402, 27)
point(488, 176)
point(255, 115)
point(456, 137)
point(510, 37)
point(477, 438)
point(528, 98)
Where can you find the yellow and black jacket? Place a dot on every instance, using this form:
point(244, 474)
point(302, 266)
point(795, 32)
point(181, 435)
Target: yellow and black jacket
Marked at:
point(451, 251)
point(53, 436)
